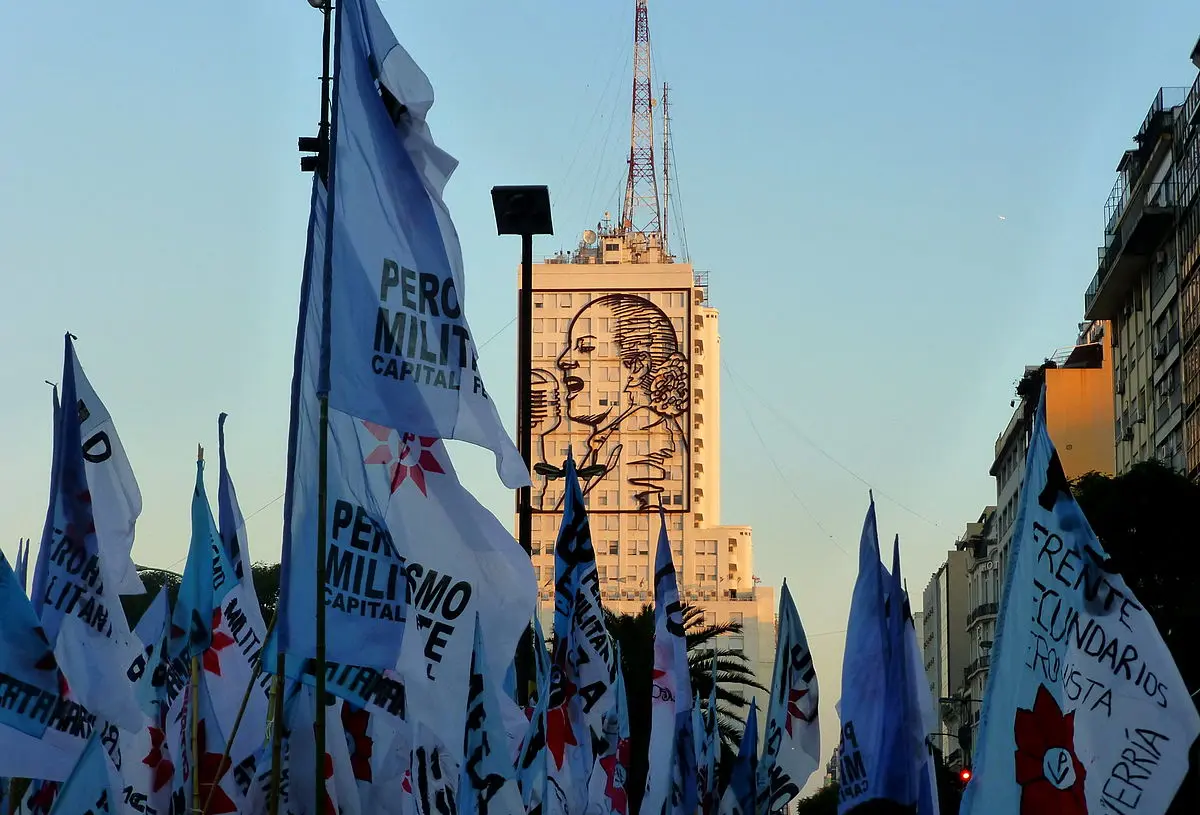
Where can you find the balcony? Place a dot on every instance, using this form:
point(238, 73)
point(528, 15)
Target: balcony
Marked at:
point(1139, 213)
point(1139, 227)
point(981, 664)
point(981, 611)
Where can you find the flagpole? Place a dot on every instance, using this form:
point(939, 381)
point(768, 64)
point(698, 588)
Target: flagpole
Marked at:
point(326, 167)
point(196, 705)
point(237, 723)
point(276, 737)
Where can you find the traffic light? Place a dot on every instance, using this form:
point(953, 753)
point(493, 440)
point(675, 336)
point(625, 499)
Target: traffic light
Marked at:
point(964, 775)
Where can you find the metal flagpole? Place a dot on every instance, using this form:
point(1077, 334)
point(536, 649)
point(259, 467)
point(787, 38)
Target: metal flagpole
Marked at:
point(196, 707)
point(326, 166)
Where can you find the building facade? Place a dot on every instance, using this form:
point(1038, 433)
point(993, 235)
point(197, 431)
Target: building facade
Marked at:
point(1187, 250)
point(1137, 283)
point(1080, 416)
point(626, 367)
point(945, 647)
point(978, 541)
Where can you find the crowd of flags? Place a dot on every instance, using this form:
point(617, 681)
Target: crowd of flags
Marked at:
point(206, 707)
point(198, 709)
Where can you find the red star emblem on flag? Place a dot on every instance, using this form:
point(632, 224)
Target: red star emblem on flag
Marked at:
point(793, 709)
point(559, 732)
point(156, 760)
point(615, 767)
point(211, 768)
point(220, 641)
point(356, 724)
point(409, 461)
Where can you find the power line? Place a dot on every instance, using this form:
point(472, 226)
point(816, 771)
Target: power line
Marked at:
point(499, 331)
point(784, 478)
point(810, 442)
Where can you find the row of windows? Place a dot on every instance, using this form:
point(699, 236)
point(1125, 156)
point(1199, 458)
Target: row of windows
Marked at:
point(638, 577)
point(1191, 434)
point(607, 523)
point(583, 326)
point(578, 299)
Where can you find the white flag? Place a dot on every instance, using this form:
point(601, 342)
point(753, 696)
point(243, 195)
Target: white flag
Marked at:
point(116, 497)
point(402, 353)
point(792, 749)
point(1085, 710)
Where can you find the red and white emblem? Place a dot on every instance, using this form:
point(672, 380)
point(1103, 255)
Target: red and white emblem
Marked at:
point(405, 455)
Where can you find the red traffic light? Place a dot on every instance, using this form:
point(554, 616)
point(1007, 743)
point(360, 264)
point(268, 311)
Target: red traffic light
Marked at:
point(964, 775)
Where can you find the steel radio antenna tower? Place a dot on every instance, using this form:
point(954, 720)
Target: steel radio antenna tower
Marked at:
point(641, 188)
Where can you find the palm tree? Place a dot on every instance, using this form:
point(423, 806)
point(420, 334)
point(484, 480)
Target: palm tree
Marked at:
point(634, 634)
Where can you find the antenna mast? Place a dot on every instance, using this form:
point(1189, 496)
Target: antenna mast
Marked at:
point(666, 160)
point(641, 189)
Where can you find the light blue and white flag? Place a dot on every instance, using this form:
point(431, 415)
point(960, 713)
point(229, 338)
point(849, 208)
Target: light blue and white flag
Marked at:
point(792, 749)
point(82, 618)
point(531, 760)
point(584, 667)
point(904, 750)
point(116, 497)
point(1085, 709)
point(206, 569)
point(707, 756)
point(864, 685)
point(671, 772)
point(487, 778)
point(28, 670)
point(397, 347)
point(232, 527)
point(90, 788)
point(400, 525)
point(21, 567)
point(740, 793)
point(608, 793)
point(926, 724)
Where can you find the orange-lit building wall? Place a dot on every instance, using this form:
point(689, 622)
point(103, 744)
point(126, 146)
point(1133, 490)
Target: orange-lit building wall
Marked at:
point(1080, 417)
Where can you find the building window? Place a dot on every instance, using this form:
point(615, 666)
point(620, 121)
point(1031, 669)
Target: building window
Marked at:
point(564, 301)
point(735, 618)
point(614, 548)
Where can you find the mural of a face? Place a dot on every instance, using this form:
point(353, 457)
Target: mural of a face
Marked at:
point(655, 384)
point(656, 373)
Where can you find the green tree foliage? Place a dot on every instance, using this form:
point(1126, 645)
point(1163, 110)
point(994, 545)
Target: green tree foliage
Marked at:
point(266, 585)
point(634, 634)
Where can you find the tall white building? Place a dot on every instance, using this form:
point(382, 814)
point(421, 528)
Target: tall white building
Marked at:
point(626, 372)
point(945, 645)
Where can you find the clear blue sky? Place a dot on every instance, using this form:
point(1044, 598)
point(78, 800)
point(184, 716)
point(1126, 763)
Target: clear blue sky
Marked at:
point(842, 169)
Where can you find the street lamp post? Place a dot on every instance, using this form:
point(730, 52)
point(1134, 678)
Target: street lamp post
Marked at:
point(524, 211)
